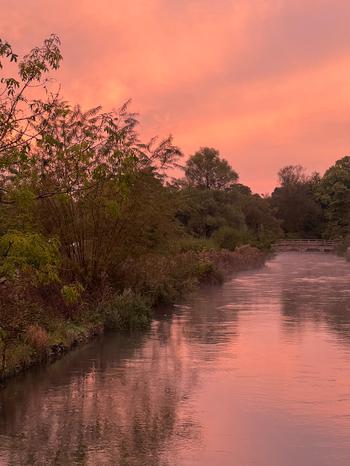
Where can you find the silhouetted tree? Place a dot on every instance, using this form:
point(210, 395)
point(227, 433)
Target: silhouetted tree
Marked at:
point(205, 169)
point(296, 203)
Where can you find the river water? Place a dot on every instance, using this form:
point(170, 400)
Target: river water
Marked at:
point(256, 372)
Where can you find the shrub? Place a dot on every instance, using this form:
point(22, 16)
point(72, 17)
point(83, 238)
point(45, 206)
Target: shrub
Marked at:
point(195, 244)
point(228, 238)
point(208, 273)
point(29, 253)
point(37, 337)
point(71, 294)
point(128, 310)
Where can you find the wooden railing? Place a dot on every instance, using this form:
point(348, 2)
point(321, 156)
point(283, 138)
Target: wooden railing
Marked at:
point(309, 241)
point(305, 245)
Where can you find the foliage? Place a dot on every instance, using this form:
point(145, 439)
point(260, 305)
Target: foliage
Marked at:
point(205, 169)
point(190, 243)
point(72, 294)
point(160, 278)
point(334, 194)
point(228, 238)
point(208, 272)
point(19, 109)
point(296, 203)
point(204, 212)
point(31, 254)
point(128, 310)
point(37, 337)
point(292, 175)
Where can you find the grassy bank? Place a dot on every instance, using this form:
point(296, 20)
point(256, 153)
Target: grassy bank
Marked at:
point(43, 325)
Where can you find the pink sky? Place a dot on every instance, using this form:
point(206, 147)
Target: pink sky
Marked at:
point(266, 82)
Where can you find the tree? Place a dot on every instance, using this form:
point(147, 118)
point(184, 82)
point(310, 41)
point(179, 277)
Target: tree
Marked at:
point(334, 193)
point(263, 226)
point(205, 169)
point(296, 202)
point(292, 175)
point(85, 167)
point(20, 104)
point(74, 171)
point(203, 211)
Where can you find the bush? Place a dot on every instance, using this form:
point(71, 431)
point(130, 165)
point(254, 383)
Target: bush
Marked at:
point(162, 279)
point(71, 294)
point(195, 244)
point(29, 253)
point(208, 273)
point(228, 238)
point(128, 310)
point(37, 337)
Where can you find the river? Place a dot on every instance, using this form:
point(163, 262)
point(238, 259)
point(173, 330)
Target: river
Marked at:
point(256, 372)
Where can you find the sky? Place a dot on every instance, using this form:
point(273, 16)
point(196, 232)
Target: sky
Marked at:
point(266, 82)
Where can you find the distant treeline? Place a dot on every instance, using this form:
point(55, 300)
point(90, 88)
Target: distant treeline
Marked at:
point(90, 217)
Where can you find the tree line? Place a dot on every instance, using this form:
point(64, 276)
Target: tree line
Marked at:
point(314, 206)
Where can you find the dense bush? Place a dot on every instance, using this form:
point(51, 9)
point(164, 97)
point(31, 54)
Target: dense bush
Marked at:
point(128, 310)
point(228, 238)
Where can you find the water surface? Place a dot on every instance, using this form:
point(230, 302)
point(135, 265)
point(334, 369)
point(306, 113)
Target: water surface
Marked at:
point(256, 372)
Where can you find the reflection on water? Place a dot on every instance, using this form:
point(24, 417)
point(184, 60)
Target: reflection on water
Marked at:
point(254, 373)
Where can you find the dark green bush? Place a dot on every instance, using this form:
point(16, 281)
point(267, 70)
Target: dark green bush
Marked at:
point(128, 310)
point(228, 238)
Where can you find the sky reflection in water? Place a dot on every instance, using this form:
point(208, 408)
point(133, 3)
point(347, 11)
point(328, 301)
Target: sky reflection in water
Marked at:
point(256, 372)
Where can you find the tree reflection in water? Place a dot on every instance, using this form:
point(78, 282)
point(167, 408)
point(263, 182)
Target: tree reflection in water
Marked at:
point(202, 381)
point(115, 401)
point(318, 294)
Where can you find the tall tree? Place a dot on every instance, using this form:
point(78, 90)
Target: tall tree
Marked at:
point(206, 169)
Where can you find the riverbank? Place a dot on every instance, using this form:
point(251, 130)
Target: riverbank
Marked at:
point(40, 335)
